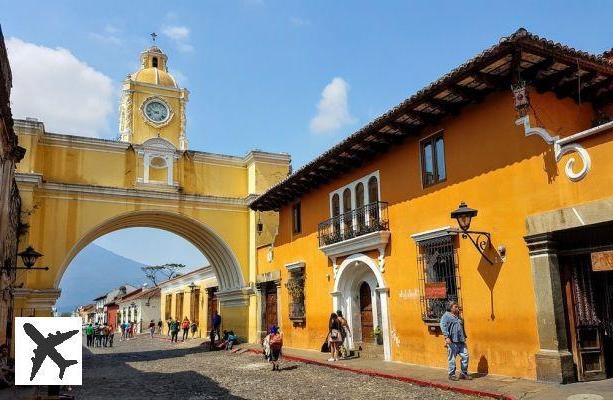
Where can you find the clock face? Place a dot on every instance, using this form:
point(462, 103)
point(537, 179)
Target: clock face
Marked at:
point(156, 111)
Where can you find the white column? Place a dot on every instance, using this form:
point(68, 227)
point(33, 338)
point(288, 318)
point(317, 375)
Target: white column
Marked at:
point(169, 170)
point(385, 328)
point(146, 168)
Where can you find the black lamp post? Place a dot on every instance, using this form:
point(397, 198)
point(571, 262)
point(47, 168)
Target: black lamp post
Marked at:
point(29, 257)
point(482, 240)
point(260, 225)
point(192, 287)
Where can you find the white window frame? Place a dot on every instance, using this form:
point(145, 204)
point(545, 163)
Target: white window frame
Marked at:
point(351, 186)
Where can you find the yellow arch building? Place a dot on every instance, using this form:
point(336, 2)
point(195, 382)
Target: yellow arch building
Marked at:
point(75, 189)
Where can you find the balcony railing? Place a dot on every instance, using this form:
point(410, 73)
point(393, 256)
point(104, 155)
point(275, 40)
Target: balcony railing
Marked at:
point(361, 221)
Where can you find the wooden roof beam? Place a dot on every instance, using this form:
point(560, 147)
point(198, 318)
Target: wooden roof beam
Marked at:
point(446, 106)
point(404, 129)
point(550, 82)
point(571, 86)
point(426, 117)
point(491, 80)
point(590, 92)
point(530, 73)
point(469, 94)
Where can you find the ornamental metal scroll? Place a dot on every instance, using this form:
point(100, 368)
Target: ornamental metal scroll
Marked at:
point(560, 150)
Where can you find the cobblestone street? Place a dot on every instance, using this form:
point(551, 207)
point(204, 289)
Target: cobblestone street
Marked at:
point(145, 369)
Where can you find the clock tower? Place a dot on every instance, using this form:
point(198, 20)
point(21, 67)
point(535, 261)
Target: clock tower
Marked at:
point(152, 105)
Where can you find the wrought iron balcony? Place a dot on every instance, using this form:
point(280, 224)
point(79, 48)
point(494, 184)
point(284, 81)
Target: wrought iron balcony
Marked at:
point(361, 221)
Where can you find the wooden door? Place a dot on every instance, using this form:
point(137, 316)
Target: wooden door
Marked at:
point(366, 313)
point(271, 306)
point(586, 334)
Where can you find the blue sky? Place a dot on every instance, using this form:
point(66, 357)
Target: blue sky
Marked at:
point(283, 76)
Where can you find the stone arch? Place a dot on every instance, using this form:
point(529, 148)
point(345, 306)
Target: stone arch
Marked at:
point(354, 270)
point(217, 251)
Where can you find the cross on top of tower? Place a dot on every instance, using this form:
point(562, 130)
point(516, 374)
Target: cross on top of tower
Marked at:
point(153, 36)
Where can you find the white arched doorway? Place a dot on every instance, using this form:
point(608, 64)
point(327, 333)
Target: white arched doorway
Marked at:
point(358, 276)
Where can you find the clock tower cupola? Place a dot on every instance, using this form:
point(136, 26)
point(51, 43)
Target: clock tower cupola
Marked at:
point(152, 103)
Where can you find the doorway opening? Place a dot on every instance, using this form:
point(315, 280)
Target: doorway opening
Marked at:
point(586, 266)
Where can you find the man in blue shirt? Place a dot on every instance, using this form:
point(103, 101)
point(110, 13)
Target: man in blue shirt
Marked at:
point(452, 327)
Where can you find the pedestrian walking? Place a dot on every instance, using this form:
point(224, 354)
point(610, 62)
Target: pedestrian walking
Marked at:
point(194, 328)
point(111, 335)
point(274, 341)
point(159, 327)
point(185, 326)
point(174, 330)
point(334, 336)
point(151, 328)
point(345, 332)
point(212, 339)
point(168, 322)
point(452, 327)
point(105, 335)
point(122, 326)
point(89, 334)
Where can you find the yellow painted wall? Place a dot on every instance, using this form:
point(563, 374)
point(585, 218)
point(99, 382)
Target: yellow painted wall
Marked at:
point(494, 168)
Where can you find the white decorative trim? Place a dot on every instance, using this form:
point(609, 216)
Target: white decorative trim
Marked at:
point(235, 297)
point(133, 193)
point(567, 145)
point(434, 233)
point(371, 241)
point(351, 186)
point(530, 130)
point(198, 275)
point(295, 266)
point(155, 124)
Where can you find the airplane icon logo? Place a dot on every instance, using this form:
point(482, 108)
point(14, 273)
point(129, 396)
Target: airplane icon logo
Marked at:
point(48, 351)
point(46, 348)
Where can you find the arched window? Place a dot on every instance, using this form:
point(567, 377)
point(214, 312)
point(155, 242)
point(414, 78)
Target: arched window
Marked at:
point(347, 217)
point(336, 206)
point(154, 62)
point(359, 206)
point(373, 198)
point(373, 189)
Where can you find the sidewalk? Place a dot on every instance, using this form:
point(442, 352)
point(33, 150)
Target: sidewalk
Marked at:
point(498, 387)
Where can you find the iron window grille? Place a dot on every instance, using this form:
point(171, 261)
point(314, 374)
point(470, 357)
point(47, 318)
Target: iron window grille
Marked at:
point(439, 279)
point(360, 221)
point(295, 289)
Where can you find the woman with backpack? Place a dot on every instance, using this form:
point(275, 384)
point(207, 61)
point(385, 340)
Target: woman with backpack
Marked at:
point(185, 326)
point(275, 343)
point(335, 337)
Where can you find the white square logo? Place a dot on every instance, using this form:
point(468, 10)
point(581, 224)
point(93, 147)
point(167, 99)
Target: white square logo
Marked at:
point(48, 351)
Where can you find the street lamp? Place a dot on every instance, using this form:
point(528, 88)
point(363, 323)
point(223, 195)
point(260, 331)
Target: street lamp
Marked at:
point(29, 257)
point(192, 287)
point(260, 225)
point(482, 240)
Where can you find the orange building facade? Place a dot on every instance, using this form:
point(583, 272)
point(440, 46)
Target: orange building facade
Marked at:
point(366, 228)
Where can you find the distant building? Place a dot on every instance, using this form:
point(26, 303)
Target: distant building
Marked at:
point(102, 301)
point(140, 306)
point(193, 295)
point(87, 313)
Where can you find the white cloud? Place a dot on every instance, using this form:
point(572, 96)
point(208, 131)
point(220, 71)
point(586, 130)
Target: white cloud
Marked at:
point(333, 108)
point(109, 35)
point(176, 32)
point(60, 90)
point(299, 22)
point(180, 35)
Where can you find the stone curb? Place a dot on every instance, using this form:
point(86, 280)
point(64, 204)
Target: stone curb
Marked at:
point(414, 381)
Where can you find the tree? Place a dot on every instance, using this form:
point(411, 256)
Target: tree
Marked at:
point(167, 271)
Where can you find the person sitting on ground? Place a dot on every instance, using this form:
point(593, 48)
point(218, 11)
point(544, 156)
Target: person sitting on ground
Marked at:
point(7, 373)
point(232, 339)
point(224, 340)
point(275, 341)
point(185, 326)
point(194, 328)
